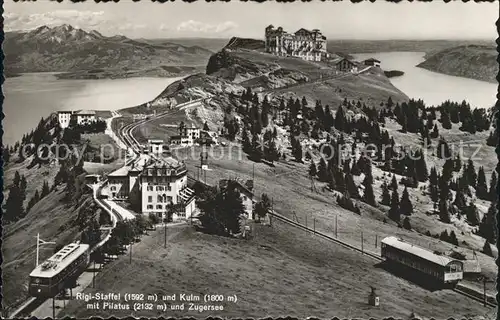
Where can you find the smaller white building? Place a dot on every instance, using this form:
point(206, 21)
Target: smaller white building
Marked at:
point(64, 118)
point(188, 136)
point(155, 146)
point(83, 117)
point(372, 62)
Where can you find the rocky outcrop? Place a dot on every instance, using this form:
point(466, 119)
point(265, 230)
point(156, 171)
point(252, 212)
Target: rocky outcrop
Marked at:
point(245, 43)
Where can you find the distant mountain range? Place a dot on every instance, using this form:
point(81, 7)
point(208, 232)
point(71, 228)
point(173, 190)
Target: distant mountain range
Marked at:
point(82, 54)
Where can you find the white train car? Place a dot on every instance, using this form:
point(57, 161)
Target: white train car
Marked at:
point(443, 269)
point(48, 279)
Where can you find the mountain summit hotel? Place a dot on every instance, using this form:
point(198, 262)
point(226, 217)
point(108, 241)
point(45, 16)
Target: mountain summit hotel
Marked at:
point(304, 44)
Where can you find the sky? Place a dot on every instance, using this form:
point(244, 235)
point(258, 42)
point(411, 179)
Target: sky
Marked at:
point(337, 20)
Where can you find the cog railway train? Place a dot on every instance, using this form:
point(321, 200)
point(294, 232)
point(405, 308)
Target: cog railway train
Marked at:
point(49, 278)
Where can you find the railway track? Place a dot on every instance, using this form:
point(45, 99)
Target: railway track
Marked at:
point(349, 246)
point(476, 298)
point(127, 134)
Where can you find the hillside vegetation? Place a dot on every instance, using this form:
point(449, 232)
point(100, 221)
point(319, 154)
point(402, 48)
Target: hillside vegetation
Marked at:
point(45, 193)
point(470, 61)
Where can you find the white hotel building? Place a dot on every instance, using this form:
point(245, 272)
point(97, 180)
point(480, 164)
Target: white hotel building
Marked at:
point(153, 185)
point(67, 118)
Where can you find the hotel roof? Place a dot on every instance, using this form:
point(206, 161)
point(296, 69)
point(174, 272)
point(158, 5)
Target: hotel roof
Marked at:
point(159, 162)
point(122, 172)
point(84, 112)
point(156, 141)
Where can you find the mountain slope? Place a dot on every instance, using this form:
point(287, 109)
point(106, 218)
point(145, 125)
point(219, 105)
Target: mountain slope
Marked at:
point(471, 61)
point(92, 55)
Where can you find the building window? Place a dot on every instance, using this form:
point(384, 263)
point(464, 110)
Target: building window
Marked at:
point(150, 188)
point(150, 198)
point(169, 199)
point(113, 188)
point(160, 198)
point(159, 206)
point(150, 206)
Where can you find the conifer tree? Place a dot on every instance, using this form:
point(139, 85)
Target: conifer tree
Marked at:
point(448, 168)
point(421, 166)
point(492, 139)
point(394, 212)
point(481, 187)
point(368, 195)
point(444, 215)
point(453, 238)
point(492, 193)
point(14, 209)
point(394, 183)
point(443, 150)
point(470, 173)
point(247, 145)
point(460, 201)
point(351, 187)
point(355, 170)
point(340, 119)
point(340, 183)
point(406, 223)
point(386, 195)
point(322, 170)
point(22, 186)
point(17, 179)
point(312, 169)
point(487, 249)
point(256, 148)
point(435, 132)
point(445, 120)
point(406, 207)
point(444, 188)
point(487, 227)
point(6, 154)
point(472, 215)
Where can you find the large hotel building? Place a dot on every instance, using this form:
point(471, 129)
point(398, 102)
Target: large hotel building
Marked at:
point(304, 44)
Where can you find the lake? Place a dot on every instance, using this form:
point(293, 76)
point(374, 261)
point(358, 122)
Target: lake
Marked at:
point(32, 96)
point(432, 87)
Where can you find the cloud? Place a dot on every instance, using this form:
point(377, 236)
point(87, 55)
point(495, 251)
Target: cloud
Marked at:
point(85, 19)
point(201, 27)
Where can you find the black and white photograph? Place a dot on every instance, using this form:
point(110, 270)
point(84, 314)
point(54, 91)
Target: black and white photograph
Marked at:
point(250, 160)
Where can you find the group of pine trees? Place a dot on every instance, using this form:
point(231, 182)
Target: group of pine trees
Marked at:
point(14, 208)
point(398, 206)
point(414, 117)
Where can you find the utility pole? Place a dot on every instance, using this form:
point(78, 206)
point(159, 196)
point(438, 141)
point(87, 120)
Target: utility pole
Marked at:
point(53, 308)
point(165, 235)
point(38, 243)
point(362, 251)
point(376, 236)
point(130, 260)
point(93, 276)
point(484, 289)
point(336, 235)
